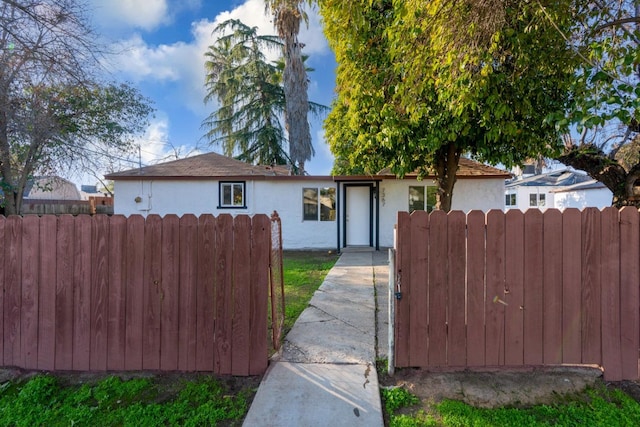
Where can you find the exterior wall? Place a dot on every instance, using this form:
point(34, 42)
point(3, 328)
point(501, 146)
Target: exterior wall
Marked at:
point(523, 193)
point(201, 197)
point(285, 196)
point(595, 198)
point(468, 194)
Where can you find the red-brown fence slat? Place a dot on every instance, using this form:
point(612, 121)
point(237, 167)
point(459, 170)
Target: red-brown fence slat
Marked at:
point(153, 292)
point(116, 302)
point(533, 287)
point(64, 263)
point(2, 288)
point(495, 270)
point(416, 288)
point(591, 288)
point(206, 293)
point(438, 291)
point(224, 293)
point(29, 298)
point(241, 293)
point(629, 291)
point(610, 282)
point(402, 304)
point(44, 265)
point(83, 259)
point(134, 292)
point(13, 291)
point(456, 306)
point(259, 288)
point(552, 287)
point(99, 293)
point(170, 293)
point(476, 254)
point(571, 284)
point(514, 288)
point(187, 338)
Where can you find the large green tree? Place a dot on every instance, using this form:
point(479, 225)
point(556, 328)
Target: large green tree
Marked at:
point(288, 15)
point(249, 95)
point(54, 111)
point(413, 94)
point(606, 109)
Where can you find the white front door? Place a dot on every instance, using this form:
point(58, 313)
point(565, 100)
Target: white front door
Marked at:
point(358, 220)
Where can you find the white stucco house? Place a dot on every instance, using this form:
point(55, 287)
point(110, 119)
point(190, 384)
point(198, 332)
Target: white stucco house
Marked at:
point(318, 212)
point(559, 189)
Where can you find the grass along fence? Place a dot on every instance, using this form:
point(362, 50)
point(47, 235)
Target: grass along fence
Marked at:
point(519, 289)
point(128, 293)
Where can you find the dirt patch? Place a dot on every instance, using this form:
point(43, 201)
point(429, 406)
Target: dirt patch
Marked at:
point(491, 389)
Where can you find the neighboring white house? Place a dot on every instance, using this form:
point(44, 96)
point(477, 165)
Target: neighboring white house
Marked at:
point(560, 189)
point(321, 212)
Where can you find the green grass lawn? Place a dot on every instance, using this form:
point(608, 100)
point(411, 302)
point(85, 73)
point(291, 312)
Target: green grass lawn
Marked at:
point(304, 272)
point(46, 400)
point(601, 406)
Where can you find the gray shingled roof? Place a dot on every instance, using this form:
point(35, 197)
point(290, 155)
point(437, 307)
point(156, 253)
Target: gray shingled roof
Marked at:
point(560, 178)
point(209, 165)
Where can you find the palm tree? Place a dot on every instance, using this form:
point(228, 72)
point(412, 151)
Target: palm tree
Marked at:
point(288, 15)
point(250, 97)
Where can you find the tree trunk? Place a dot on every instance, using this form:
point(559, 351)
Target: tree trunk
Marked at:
point(600, 167)
point(9, 199)
point(446, 167)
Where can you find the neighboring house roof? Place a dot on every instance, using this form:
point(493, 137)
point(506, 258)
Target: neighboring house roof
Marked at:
point(586, 185)
point(560, 178)
point(217, 166)
point(51, 188)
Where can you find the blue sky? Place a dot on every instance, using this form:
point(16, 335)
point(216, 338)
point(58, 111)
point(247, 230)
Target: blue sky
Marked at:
point(161, 45)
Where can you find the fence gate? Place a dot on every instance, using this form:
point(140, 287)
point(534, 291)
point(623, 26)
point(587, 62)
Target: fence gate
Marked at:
point(95, 293)
point(518, 289)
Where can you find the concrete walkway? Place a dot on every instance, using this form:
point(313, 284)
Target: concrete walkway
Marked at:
point(326, 373)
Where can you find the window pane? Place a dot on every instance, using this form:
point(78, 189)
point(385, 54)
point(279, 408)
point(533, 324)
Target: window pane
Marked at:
point(510, 200)
point(238, 196)
point(533, 200)
point(416, 198)
point(328, 204)
point(226, 195)
point(542, 201)
point(310, 204)
point(431, 198)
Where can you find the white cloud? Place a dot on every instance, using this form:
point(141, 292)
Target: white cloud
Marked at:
point(147, 15)
point(156, 146)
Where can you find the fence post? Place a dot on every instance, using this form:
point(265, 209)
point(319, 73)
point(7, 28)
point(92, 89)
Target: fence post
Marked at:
point(392, 311)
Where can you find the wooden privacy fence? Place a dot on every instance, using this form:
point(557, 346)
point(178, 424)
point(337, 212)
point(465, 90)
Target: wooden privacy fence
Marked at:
point(519, 289)
point(116, 293)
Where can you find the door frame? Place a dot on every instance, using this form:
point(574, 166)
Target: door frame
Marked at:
point(373, 214)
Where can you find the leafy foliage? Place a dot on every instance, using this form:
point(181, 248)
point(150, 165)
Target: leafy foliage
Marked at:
point(605, 111)
point(248, 90)
point(250, 93)
point(412, 96)
point(54, 113)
